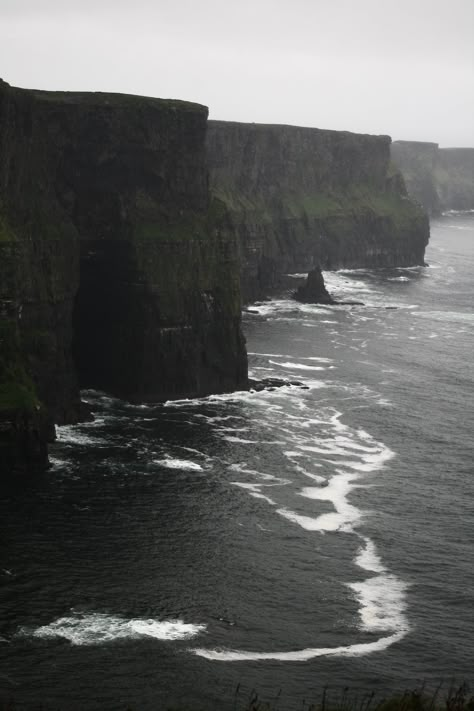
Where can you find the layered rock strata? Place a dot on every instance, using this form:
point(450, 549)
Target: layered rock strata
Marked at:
point(117, 270)
point(302, 197)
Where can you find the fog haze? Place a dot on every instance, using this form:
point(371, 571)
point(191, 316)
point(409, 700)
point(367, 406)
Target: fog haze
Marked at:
point(372, 66)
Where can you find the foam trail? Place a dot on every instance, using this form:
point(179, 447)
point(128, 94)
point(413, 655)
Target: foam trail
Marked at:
point(368, 559)
point(254, 490)
point(97, 628)
point(382, 603)
point(298, 366)
point(303, 655)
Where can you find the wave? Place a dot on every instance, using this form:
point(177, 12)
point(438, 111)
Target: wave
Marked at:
point(303, 655)
point(172, 463)
point(382, 603)
point(98, 628)
point(355, 455)
point(368, 559)
point(462, 316)
point(71, 434)
point(299, 366)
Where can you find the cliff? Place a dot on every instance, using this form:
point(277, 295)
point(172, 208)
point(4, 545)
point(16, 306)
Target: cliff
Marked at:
point(301, 197)
point(438, 178)
point(455, 178)
point(117, 270)
point(418, 162)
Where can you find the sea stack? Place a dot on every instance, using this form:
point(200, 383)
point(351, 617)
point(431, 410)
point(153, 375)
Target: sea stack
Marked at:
point(314, 289)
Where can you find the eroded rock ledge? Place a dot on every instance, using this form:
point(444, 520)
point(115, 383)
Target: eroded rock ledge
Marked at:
point(116, 271)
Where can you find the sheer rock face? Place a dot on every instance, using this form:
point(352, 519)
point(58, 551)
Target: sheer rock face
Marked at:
point(438, 178)
point(301, 197)
point(455, 178)
point(117, 270)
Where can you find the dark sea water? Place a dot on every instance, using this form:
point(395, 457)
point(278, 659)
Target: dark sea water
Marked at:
point(285, 539)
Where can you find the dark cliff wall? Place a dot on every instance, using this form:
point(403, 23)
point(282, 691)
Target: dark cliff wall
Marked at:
point(117, 270)
point(299, 197)
point(455, 178)
point(417, 162)
point(438, 178)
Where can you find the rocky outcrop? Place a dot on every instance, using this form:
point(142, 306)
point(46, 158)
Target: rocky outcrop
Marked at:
point(438, 178)
point(314, 291)
point(301, 197)
point(117, 270)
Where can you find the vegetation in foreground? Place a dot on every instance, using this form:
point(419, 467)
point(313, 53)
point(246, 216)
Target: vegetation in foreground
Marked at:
point(456, 698)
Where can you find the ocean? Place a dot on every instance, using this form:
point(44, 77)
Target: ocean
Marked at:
point(316, 534)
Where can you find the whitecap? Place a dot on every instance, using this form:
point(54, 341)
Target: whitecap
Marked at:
point(70, 434)
point(98, 628)
point(382, 603)
point(298, 366)
point(172, 463)
point(303, 655)
point(367, 557)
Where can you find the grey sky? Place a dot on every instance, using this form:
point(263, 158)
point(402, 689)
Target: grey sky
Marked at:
point(402, 67)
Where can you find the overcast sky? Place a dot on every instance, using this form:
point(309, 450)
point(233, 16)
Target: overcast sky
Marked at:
point(402, 67)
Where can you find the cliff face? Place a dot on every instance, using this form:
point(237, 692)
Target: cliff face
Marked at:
point(116, 268)
point(455, 178)
point(299, 197)
point(438, 178)
point(418, 162)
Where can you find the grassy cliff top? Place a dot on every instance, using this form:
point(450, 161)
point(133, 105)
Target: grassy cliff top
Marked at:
point(100, 98)
point(292, 127)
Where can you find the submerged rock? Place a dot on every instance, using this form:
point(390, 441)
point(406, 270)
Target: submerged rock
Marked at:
point(273, 383)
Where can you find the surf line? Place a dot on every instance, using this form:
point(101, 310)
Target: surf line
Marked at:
point(382, 596)
point(303, 655)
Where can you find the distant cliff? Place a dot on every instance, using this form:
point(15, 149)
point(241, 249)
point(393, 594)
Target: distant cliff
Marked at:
point(116, 268)
point(299, 197)
point(418, 162)
point(438, 178)
point(455, 178)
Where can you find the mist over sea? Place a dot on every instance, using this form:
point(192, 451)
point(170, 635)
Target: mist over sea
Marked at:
point(315, 534)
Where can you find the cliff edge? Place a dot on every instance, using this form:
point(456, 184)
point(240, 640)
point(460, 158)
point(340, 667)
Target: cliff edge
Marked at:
point(438, 178)
point(117, 271)
point(303, 197)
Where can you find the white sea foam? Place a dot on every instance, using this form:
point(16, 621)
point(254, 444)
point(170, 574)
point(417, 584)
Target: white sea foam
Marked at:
point(57, 463)
point(462, 316)
point(71, 434)
point(303, 655)
point(368, 559)
point(239, 440)
point(172, 463)
point(353, 454)
point(281, 355)
point(298, 366)
point(97, 628)
point(382, 603)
